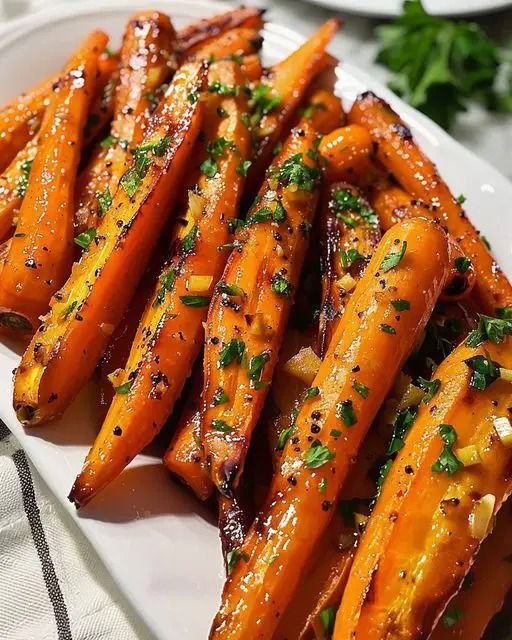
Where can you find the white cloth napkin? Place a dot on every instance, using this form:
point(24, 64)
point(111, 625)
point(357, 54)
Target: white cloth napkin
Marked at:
point(52, 585)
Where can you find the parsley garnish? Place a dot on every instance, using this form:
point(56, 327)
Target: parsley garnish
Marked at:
point(447, 461)
point(485, 371)
point(22, 185)
point(233, 557)
point(255, 370)
point(208, 167)
point(263, 101)
point(387, 328)
point(243, 167)
point(317, 455)
point(230, 289)
point(167, 281)
point(462, 264)
point(294, 171)
point(493, 329)
point(401, 305)
point(452, 616)
point(327, 618)
point(335, 433)
point(218, 147)
point(221, 425)
point(85, 238)
point(189, 241)
point(280, 285)
point(219, 397)
point(124, 389)
point(109, 141)
point(233, 351)
point(344, 200)
point(383, 474)
point(195, 301)
point(361, 389)
point(349, 257)
point(504, 313)
point(345, 411)
point(312, 392)
point(430, 387)
point(284, 436)
point(393, 258)
point(132, 178)
point(403, 422)
point(223, 89)
point(104, 201)
point(69, 309)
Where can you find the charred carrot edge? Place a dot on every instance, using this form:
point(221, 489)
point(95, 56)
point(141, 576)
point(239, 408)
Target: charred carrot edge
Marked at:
point(320, 448)
point(76, 330)
point(280, 93)
point(445, 507)
point(347, 152)
point(170, 334)
point(41, 251)
point(198, 33)
point(398, 152)
point(484, 591)
point(234, 43)
point(350, 234)
point(148, 38)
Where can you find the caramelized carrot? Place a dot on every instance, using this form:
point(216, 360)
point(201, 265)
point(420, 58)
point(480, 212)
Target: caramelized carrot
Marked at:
point(146, 62)
point(484, 590)
point(252, 68)
point(369, 347)
point(324, 109)
point(399, 153)
point(170, 334)
point(393, 205)
point(74, 334)
point(434, 511)
point(41, 251)
point(350, 234)
point(236, 42)
point(347, 153)
point(275, 100)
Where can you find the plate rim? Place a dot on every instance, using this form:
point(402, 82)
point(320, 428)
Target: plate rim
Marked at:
point(371, 8)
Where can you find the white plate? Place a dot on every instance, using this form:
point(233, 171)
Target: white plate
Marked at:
point(159, 545)
point(387, 8)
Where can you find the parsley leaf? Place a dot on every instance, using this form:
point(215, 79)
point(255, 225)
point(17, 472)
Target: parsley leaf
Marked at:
point(233, 557)
point(485, 371)
point(346, 201)
point(493, 329)
point(447, 461)
point(104, 201)
point(403, 422)
point(327, 618)
point(167, 281)
point(393, 258)
point(294, 171)
point(219, 397)
point(345, 411)
point(462, 264)
point(452, 616)
point(361, 389)
point(284, 436)
point(401, 305)
point(208, 167)
point(22, 184)
point(317, 455)
point(221, 425)
point(195, 301)
point(430, 387)
point(255, 371)
point(85, 238)
point(233, 351)
point(124, 389)
point(349, 257)
point(280, 285)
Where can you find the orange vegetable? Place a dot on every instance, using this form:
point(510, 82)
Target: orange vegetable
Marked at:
point(235, 42)
point(148, 40)
point(280, 93)
point(74, 334)
point(398, 152)
point(41, 251)
point(347, 152)
point(393, 205)
point(349, 236)
point(252, 68)
point(369, 348)
point(433, 512)
point(170, 334)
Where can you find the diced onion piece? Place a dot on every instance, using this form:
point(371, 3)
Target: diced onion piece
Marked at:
point(195, 205)
point(347, 282)
point(481, 517)
point(468, 455)
point(504, 430)
point(199, 284)
point(412, 397)
point(303, 365)
point(260, 325)
point(506, 374)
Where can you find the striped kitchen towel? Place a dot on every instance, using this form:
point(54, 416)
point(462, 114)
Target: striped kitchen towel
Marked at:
point(52, 585)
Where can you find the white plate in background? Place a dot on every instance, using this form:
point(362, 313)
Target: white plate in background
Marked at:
point(389, 8)
point(158, 543)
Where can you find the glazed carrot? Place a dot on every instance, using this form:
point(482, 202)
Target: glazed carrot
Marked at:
point(197, 34)
point(252, 68)
point(324, 109)
point(76, 331)
point(484, 591)
point(393, 204)
point(368, 349)
point(102, 107)
point(275, 100)
point(399, 153)
point(347, 152)
point(41, 251)
point(349, 236)
point(170, 333)
point(434, 511)
point(146, 62)
point(236, 42)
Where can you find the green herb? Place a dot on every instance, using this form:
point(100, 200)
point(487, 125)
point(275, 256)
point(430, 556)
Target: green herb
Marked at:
point(223, 89)
point(345, 200)
point(393, 258)
point(69, 309)
point(277, 149)
point(219, 397)
point(132, 178)
point(189, 241)
point(167, 281)
point(485, 371)
point(387, 328)
point(157, 147)
point(234, 224)
point(401, 305)
point(309, 110)
point(345, 411)
point(317, 455)
point(485, 241)
point(461, 198)
point(221, 112)
point(218, 147)
point(261, 215)
point(244, 119)
point(361, 389)
point(403, 422)
point(221, 425)
point(447, 461)
point(452, 616)
point(462, 264)
point(193, 97)
point(85, 238)
point(22, 184)
point(493, 329)
point(233, 351)
point(233, 557)
point(230, 289)
point(208, 167)
point(109, 141)
point(263, 101)
point(195, 301)
point(327, 618)
point(335, 433)
point(108, 52)
point(243, 167)
point(294, 171)
point(279, 212)
point(349, 257)
point(430, 387)
point(441, 65)
point(105, 201)
point(237, 58)
point(124, 389)
point(284, 436)
point(322, 485)
point(312, 392)
point(504, 313)
point(280, 285)
point(255, 371)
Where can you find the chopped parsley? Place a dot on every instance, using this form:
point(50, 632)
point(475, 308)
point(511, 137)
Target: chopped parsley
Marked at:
point(208, 167)
point(493, 329)
point(284, 436)
point(349, 257)
point(403, 422)
point(263, 101)
point(69, 309)
point(294, 171)
point(452, 616)
point(401, 305)
point(255, 370)
point(393, 258)
point(243, 167)
point(218, 147)
point(430, 387)
point(317, 455)
point(327, 618)
point(280, 285)
point(387, 328)
point(221, 425)
point(346, 201)
point(223, 89)
point(383, 474)
point(230, 289)
point(361, 389)
point(124, 389)
point(22, 184)
point(195, 301)
point(219, 397)
point(312, 392)
point(485, 371)
point(345, 411)
point(85, 238)
point(132, 178)
point(105, 201)
point(233, 351)
point(189, 241)
point(233, 557)
point(167, 281)
point(447, 461)
point(462, 264)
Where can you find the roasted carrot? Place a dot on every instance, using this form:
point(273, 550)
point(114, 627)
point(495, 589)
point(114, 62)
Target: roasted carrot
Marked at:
point(439, 498)
point(170, 334)
point(369, 347)
point(146, 62)
point(276, 98)
point(398, 152)
point(324, 109)
point(393, 204)
point(485, 588)
point(252, 68)
point(347, 152)
point(83, 314)
point(197, 34)
point(41, 251)
point(350, 234)
point(236, 42)
point(102, 106)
